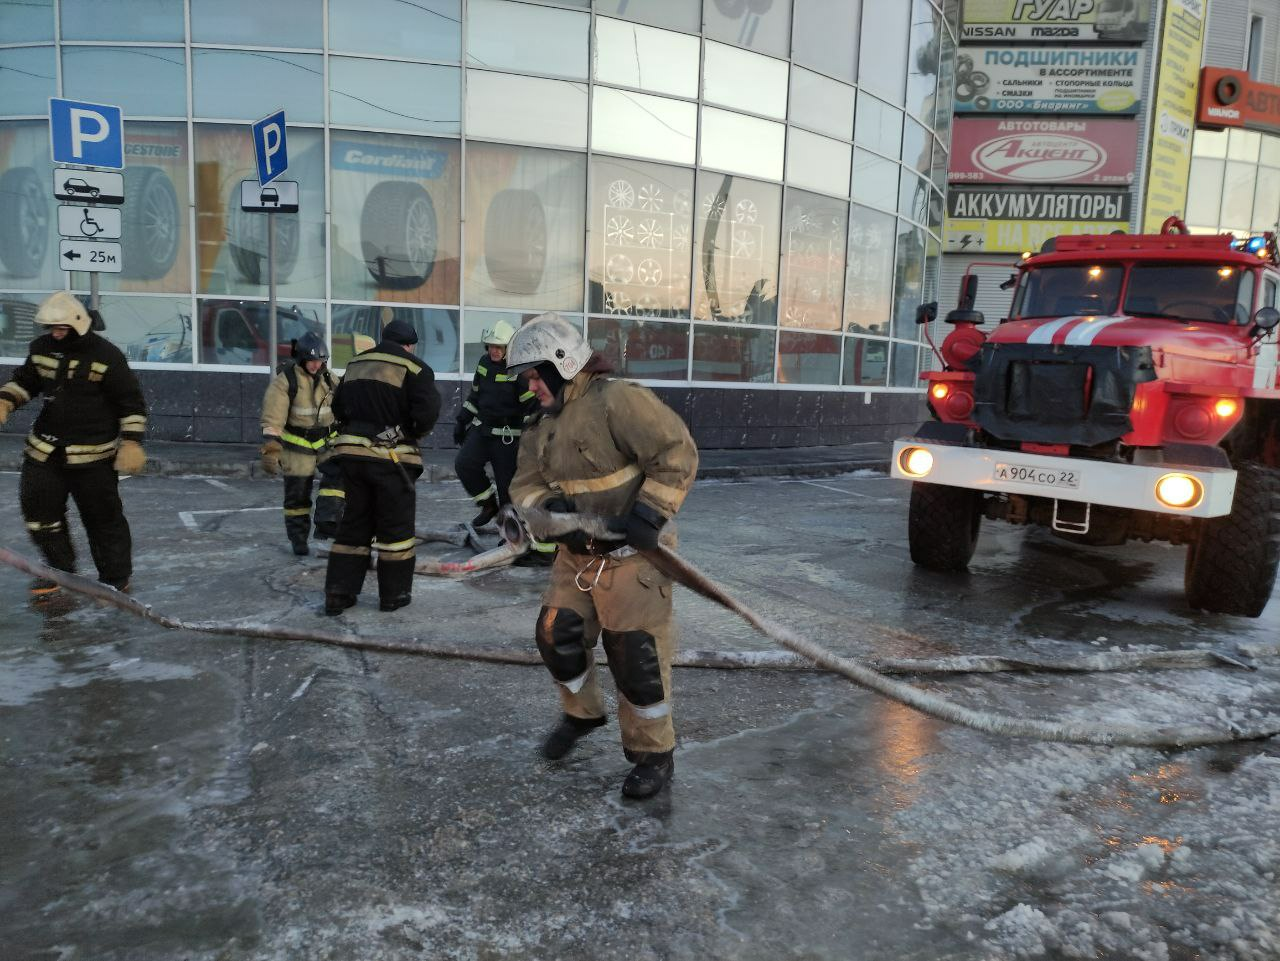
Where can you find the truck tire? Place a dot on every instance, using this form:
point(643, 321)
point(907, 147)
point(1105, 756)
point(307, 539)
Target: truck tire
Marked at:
point(24, 222)
point(150, 225)
point(399, 234)
point(247, 240)
point(942, 526)
point(515, 241)
point(1232, 561)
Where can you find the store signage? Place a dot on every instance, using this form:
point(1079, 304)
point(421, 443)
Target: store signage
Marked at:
point(1230, 98)
point(1016, 236)
point(383, 159)
point(1043, 151)
point(1066, 80)
point(1055, 21)
point(1173, 111)
point(1011, 203)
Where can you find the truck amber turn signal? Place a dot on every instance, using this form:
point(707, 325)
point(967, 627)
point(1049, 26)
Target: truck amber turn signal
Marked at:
point(939, 391)
point(1179, 490)
point(1226, 407)
point(915, 461)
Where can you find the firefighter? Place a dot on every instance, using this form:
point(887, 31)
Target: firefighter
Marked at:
point(297, 425)
point(609, 447)
point(386, 402)
point(91, 426)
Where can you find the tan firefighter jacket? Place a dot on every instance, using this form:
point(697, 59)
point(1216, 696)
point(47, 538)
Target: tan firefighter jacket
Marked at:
point(296, 410)
point(613, 443)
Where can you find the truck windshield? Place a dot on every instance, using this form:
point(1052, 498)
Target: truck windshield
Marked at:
point(1203, 293)
point(1069, 290)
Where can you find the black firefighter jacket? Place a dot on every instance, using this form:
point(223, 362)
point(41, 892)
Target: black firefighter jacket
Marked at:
point(387, 401)
point(92, 399)
point(496, 404)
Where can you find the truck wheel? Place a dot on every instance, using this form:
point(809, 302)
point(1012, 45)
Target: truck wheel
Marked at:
point(150, 223)
point(515, 241)
point(398, 234)
point(24, 222)
point(247, 240)
point(1231, 563)
point(942, 526)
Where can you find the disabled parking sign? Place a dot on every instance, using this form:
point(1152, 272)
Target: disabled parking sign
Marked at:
point(87, 134)
point(270, 148)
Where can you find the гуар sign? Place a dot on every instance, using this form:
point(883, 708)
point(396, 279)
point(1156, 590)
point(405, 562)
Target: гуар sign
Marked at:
point(1074, 80)
point(1054, 21)
point(1045, 151)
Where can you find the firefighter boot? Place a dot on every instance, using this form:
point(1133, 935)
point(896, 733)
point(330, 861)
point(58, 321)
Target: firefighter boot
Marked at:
point(335, 604)
point(567, 733)
point(488, 511)
point(650, 775)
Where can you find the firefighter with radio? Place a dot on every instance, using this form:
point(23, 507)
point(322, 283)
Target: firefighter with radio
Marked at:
point(297, 426)
point(91, 426)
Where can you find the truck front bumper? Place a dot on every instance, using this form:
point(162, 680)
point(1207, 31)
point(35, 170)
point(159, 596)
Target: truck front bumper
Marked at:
point(1131, 486)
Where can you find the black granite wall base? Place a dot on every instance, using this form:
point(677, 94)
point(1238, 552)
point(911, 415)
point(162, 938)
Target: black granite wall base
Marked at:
point(215, 407)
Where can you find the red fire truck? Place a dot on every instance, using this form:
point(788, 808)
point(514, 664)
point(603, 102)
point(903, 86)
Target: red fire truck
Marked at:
point(1131, 394)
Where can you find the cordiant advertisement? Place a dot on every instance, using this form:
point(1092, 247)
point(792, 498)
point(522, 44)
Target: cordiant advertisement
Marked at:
point(1043, 150)
point(1070, 80)
point(1055, 21)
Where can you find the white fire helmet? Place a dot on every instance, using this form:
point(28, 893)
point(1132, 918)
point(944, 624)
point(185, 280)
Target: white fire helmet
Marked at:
point(548, 337)
point(62, 309)
point(498, 335)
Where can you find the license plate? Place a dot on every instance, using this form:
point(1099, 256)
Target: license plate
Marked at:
point(1039, 476)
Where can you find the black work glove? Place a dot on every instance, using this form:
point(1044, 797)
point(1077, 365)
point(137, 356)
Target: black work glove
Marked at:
point(574, 540)
point(460, 432)
point(558, 505)
point(642, 527)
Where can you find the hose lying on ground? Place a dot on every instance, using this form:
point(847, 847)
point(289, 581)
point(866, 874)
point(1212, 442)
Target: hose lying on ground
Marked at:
point(770, 660)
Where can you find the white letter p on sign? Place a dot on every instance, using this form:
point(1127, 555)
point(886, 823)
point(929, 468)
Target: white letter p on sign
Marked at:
point(80, 136)
point(272, 136)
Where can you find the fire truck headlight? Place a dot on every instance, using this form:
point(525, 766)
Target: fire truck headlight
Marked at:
point(1179, 490)
point(915, 461)
point(939, 391)
point(1226, 407)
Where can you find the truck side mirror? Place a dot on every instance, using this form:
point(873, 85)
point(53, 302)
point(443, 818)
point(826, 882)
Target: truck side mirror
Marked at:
point(927, 313)
point(1010, 283)
point(1264, 321)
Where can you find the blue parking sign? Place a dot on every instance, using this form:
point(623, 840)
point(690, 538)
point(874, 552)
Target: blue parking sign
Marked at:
point(270, 148)
point(88, 134)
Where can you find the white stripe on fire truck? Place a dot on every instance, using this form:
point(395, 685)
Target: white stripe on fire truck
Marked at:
point(1044, 333)
point(1089, 329)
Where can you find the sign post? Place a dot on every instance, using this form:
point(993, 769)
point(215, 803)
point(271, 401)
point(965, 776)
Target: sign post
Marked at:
point(272, 154)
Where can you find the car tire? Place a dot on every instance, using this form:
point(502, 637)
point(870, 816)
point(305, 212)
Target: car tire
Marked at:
point(1232, 560)
point(399, 234)
point(24, 222)
point(247, 241)
point(515, 241)
point(942, 526)
point(151, 225)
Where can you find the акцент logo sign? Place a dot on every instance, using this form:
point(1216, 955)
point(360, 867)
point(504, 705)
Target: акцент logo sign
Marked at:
point(1039, 158)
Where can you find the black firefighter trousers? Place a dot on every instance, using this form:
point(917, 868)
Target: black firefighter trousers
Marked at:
point(43, 492)
point(482, 446)
point(380, 513)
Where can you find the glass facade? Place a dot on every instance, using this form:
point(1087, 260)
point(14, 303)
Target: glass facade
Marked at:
point(1235, 182)
point(719, 192)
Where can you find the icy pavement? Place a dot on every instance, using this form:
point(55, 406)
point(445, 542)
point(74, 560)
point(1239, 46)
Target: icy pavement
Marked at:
point(178, 795)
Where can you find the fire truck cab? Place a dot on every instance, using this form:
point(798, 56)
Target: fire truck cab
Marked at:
point(1132, 393)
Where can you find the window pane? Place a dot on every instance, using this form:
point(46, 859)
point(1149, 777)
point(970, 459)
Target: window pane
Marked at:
point(281, 23)
point(808, 358)
point(131, 20)
point(526, 220)
point(905, 372)
point(868, 296)
point(733, 354)
point(18, 323)
point(945, 100)
point(922, 64)
point(882, 64)
point(231, 244)
point(633, 56)
point(28, 220)
point(866, 362)
point(913, 197)
point(821, 104)
point(818, 163)
point(156, 330)
point(641, 220)
point(744, 81)
point(1237, 196)
point(742, 144)
point(1270, 150)
point(143, 81)
point(636, 123)
point(236, 332)
point(879, 127)
point(642, 348)
point(826, 36)
point(476, 322)
point(736, 249)
point(357, 327)
point(1266, 202)
point(521, 37)
point(424, 29)
point(1243, 145)
point(395, 233)
point(551, 112)
point(26, 22)
point(26, 80)
point(386, 93)
point(229, 84)
point(875, 180)
point(1209, 143)
point(917, 146)
point(909, 280)
point(676, 14)
point(155, 220)
point(1204, 192)
point(760, 26)
point(814, 229)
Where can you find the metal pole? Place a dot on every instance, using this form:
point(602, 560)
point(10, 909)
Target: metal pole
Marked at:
point(93, 291)
point(272, 349)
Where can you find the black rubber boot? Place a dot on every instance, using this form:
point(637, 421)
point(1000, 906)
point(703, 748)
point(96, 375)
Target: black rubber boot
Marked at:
point(395, 602)
point(488, 511)
point(567, 733)
point(651, 775)
point(301, 549)
point(337, 603)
